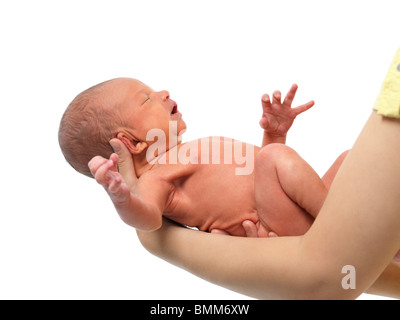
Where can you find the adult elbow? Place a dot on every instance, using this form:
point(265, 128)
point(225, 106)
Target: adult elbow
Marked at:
point(326, 284)
point(312, 275)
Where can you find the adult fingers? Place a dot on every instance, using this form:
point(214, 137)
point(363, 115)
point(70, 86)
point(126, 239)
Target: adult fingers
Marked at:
point(125, 163)
point(250, 228)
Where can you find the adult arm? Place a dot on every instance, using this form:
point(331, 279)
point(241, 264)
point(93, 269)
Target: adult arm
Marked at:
point(200, 253)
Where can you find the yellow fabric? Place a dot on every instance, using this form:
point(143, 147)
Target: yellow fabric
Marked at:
point(388, 101)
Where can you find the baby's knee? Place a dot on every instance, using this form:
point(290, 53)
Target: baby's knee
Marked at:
point(272, 153)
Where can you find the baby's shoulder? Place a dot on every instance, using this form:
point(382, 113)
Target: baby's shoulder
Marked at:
point(169, 172)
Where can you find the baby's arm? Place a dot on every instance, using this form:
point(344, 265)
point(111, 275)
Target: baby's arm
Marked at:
point(138, 209)
point(278, 117)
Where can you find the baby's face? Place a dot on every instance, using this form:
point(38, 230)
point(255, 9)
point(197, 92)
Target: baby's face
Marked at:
point(145, 109)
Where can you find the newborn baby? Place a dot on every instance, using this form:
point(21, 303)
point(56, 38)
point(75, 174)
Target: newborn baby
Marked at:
point(203, 183)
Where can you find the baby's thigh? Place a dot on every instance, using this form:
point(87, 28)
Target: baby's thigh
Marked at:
point(277, 212)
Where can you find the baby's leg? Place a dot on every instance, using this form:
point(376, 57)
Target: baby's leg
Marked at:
point(288, 192)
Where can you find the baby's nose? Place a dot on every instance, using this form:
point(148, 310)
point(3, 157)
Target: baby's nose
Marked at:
point(164, 95)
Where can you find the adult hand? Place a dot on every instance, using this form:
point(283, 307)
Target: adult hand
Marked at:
point(252, 230)
point(125, 163)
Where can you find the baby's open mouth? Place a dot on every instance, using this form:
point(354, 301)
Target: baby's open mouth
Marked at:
point(175, 114)
point(174, 109)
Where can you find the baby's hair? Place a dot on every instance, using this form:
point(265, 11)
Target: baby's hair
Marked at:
point(88, 124)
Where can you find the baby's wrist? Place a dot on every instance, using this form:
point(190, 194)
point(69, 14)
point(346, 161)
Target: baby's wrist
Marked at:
point(275, 135)
point(275, 138)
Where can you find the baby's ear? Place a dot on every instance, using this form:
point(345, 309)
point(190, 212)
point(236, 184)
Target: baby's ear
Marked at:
point(134, 147)
point(140, 147)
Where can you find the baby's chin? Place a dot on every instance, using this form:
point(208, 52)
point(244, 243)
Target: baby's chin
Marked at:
point(181, 127)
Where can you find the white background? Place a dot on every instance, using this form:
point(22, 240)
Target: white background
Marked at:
point(59, 235)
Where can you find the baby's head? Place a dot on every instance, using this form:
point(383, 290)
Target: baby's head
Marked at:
point(121, 108)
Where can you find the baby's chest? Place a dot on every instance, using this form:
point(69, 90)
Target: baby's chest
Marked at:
point(211, 193)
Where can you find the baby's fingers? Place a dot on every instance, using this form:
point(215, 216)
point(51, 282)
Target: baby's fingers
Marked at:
point(276, 97)
point(118, 190)
point(265, 101)
point(115, 184)
point(104, 174)
point(95, 164)
point(290, 95)
point(304, 107)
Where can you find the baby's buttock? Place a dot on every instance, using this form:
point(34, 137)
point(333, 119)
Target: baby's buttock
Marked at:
point(290, 222)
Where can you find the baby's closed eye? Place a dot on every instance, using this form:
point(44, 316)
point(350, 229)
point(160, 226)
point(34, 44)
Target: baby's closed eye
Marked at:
point(147, 99)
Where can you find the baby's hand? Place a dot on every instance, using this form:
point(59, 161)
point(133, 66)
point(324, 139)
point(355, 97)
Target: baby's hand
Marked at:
point(106, 173)
point(278, 117)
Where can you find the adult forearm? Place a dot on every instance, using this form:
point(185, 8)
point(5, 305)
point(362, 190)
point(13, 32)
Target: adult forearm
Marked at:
point(258, 267)
point(239, 266)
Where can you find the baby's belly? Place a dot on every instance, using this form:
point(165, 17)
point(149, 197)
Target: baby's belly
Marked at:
point(215, 196)
point(226, 218)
